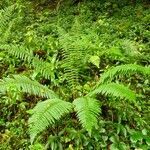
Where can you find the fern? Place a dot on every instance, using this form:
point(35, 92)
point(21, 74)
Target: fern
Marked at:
point(18, 51)
point(87, 110)
point(5, 16)
point(72, 64)
point(26, 85)
point(116, 90)
point(46, 113)
point(109, 75)
point(10, 19)
point(76, 51)
point(40, 66)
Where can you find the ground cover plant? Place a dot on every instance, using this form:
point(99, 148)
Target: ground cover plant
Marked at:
point(74, 75)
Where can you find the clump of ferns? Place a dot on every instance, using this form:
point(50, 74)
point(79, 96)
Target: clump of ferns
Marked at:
point(87, 107)
point(70, 63)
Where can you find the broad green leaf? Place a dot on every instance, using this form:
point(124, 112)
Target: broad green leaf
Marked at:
point(136, 136)
point(122, 146)
point(114, 138)
point(148, 141)
point(144, 131)
point(114, 146)
point(95, 60)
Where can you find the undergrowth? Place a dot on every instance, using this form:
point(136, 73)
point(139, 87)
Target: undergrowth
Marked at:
point(74, 75)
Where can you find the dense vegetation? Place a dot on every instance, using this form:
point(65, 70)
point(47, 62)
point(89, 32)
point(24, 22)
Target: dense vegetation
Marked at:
point(74, 75)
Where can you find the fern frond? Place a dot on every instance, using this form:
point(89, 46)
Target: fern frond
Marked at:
point(87, 110)
point(109, 75)
point(9, 17)
point(76, 49)
point(18, 51)
point(26, 85)
point(116, 90)
point(5, 16)
point(72, 65)
point(40, 66)
point(46, 113)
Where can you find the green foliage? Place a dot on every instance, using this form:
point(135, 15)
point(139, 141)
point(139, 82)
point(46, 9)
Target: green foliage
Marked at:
point(45, 113)
point(121, 70)
point(18, 51)
point(26, 85)
point(11, 18)
point(114, 89)
point(76, 52)
point(64, 61)
point(88, 110)
point(40, 66)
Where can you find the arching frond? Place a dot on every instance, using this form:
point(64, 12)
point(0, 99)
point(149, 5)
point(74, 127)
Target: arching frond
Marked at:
point(46, 113)
point(9, 19)
point(87, 111)
point(40, 66)
point(114, 89)
point(18, 51)
point(123, 70)
point(6, 16)
point(26, 85)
